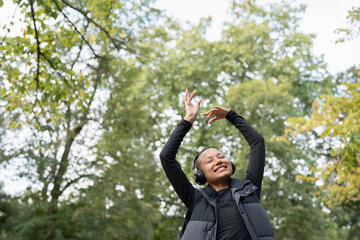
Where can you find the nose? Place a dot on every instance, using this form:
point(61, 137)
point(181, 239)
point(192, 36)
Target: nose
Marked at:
point(218, 161)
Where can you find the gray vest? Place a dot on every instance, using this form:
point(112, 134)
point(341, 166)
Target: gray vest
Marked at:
point(201, 223)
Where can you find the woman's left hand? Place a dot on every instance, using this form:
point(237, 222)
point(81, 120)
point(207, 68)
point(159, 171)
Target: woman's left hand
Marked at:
point(218, 112)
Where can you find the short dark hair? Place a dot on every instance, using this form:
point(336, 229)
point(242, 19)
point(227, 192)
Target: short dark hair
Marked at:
point(197, 156)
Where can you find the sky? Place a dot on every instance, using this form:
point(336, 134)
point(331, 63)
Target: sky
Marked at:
point(322, 17)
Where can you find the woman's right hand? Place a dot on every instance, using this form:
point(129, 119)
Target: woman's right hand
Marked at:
point(191, 110)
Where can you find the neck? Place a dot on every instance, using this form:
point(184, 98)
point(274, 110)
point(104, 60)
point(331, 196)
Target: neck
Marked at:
point(219, 186)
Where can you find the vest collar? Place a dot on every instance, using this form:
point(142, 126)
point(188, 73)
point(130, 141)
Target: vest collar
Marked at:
point(237, 184)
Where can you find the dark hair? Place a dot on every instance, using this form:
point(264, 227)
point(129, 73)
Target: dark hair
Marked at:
point(197, 156)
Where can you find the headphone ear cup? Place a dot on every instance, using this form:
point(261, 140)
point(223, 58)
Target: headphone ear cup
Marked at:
point(199, 177)
point(233, 167)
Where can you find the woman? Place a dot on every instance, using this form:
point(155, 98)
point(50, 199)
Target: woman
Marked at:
point(227, 208)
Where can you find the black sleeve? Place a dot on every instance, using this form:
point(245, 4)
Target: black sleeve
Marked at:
point(255, 168)
point(172, 168)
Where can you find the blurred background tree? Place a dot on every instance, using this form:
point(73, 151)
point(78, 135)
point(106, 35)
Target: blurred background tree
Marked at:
point(92, 90)
point(334, 124)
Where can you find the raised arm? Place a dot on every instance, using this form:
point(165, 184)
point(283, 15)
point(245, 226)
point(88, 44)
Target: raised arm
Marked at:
point(172, 168)
point(255, 168)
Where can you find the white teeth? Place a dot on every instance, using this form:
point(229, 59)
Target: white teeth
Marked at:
point(220, 169)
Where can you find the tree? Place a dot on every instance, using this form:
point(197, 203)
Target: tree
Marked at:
point(337, 118)
point(57, 84)
point(353, 29)
point(105, 85)
point(333, 127)
point(334, 123)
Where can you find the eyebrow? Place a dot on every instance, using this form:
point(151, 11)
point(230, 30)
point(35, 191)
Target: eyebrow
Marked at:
point(212, 156)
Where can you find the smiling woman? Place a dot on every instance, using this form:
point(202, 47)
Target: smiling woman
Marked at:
point(227, 208)
point(211, 157)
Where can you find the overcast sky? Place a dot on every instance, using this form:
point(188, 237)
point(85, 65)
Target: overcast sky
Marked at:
point(322, 17)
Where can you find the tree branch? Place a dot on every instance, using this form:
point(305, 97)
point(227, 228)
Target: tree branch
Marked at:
point(68, 184)
point(77, 57)
point(38, 46)
point(64, 162)
point(114, 41)
point(11, 21)
point(61, 77)
point(82, 36)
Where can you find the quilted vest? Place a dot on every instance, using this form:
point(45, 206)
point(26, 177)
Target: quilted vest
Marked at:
point(201, 223)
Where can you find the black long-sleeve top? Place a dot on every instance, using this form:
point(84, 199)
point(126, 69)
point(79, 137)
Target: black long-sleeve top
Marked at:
point(177, 177)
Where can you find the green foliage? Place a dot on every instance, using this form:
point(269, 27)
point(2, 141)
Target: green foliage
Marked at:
point(353, 29)
point(60, 84)
point(98, 86)
point(334, 125)
point(335, 117)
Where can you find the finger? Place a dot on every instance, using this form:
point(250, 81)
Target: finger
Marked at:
point(217, 108)
point(213, 119)
point(192, 95)
point(210, 113)
point(198, 103)
point(186, 95)
point(205, 113)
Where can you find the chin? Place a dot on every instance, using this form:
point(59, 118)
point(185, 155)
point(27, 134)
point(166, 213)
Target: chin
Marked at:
point(224, 176)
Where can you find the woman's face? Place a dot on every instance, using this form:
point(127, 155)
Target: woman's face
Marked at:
point(215, 166)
